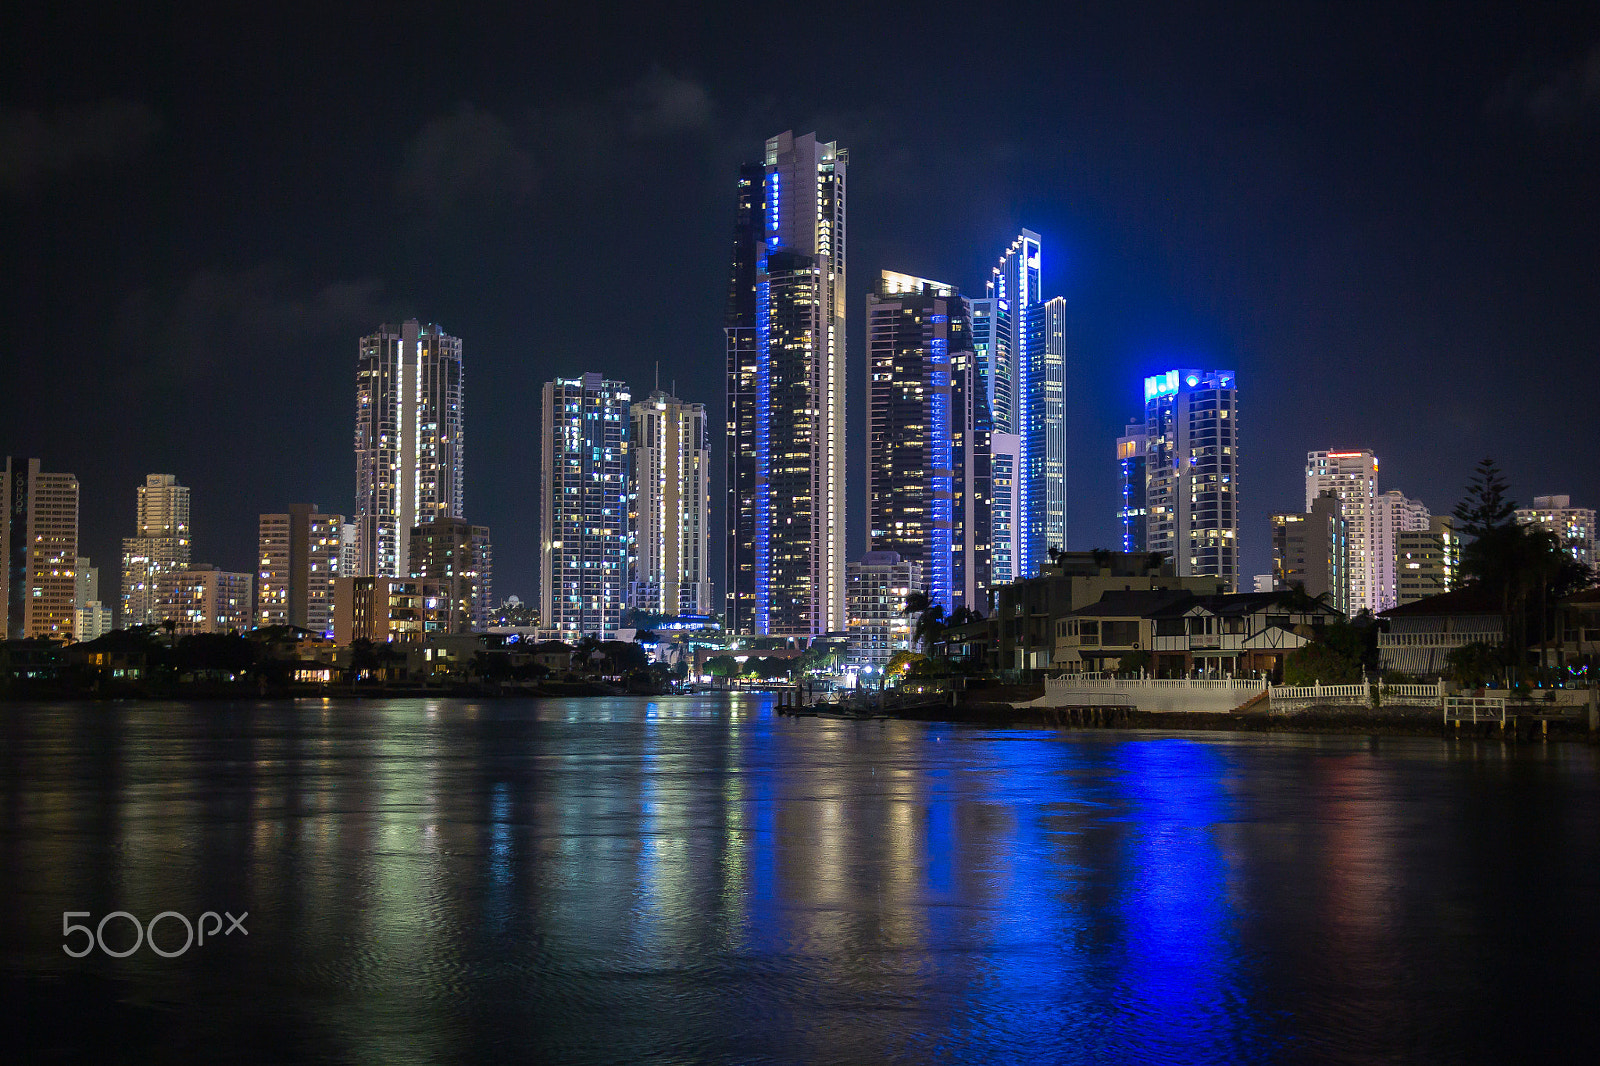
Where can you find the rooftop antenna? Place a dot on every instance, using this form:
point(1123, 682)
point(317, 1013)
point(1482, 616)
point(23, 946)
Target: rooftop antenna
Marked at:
point(658, 375)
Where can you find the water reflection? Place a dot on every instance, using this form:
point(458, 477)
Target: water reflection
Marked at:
point(703, 880)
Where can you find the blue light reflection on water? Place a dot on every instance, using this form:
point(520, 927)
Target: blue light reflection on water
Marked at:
point(701, 880)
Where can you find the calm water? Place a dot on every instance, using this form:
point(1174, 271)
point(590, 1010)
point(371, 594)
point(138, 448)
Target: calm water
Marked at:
point(684, 880)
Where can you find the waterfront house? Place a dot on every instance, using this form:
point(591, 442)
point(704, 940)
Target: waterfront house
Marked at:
point(1420, 635)
point(1239, 635)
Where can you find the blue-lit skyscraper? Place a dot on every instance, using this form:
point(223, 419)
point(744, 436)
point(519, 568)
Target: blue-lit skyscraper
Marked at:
point(1191, 472)
point(1131, 472)
point(926, 432)
point(1043, 431)
point(1001, 328)
point(786, 394)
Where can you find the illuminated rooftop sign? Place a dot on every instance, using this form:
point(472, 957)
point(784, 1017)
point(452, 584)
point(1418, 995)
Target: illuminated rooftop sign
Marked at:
point(1160, 385)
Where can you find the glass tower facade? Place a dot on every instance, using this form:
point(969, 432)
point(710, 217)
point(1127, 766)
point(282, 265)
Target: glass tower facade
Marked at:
point(1191, 471)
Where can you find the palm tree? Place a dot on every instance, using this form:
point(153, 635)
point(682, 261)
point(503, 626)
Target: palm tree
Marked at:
point(930, 621)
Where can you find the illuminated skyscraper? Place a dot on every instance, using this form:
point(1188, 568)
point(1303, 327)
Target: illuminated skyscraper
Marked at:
point(160, 543)
point(786, 392)
point(913, 326)
point(1000, 340)
point(457, 555)
point(672, 524)
point(1130, 467)
point(300, 556)
point(586, 542)
point(1192, 471)
point(410, 444)
point(39, 534)
point(743, 357)
point(1352, 477)
point(1395, 515)
point(1044, 480)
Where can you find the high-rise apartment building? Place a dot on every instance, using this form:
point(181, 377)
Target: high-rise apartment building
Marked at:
point(1573, 526)
point(786, 394)
point(1192, 471)
point(740, 325)
point(1131, 473)
point(1313, 550)
point(1012, 289)
point(913, 326)
point(39, 534)
point(457, 555)
point(876, 592)
point(160, 543)
point(971, 466)
point(1427, 561)
point(1045, 477)
point(1352, 477)
point(672, 506)
point(1395, 514)
point(410, 443)
point(300, 555)
point(203, 599)
point(586, 541)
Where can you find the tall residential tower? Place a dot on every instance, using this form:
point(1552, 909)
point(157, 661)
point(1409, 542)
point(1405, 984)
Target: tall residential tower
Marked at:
point(409, 440)
point(586, 539)
point(672, 507)
point(160, 543)
point(39, 536)
point(1192, 471)
point(786, 395)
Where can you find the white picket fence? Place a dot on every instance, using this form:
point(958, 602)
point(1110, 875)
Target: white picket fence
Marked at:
point(1365, 694)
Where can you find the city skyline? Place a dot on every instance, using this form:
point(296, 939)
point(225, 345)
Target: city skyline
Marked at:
point(1203, 202)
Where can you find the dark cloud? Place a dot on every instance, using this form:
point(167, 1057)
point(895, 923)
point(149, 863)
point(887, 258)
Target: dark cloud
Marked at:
point(217, 320)
point(661, 104)
point(468, 159)
point(36, 144)
point(1563, 96)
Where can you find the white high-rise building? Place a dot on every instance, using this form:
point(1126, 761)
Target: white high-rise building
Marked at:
point(586, 534)
point(1192, 472)
point(1352, 477)
point(672, 524)
point(1394, 513)
point(1573, 526)
point(93, 617)
point(410, 443)
point(160, 543)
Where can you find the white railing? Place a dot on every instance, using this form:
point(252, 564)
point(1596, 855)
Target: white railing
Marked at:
point(1363, 694)
point(1475, 709)
point(1428, 692)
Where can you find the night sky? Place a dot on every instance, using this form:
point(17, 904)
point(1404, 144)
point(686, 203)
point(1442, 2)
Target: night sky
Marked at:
point(1385, 217)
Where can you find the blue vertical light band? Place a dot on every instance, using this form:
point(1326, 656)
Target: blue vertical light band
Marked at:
point(939, 462)
point(763, 537)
